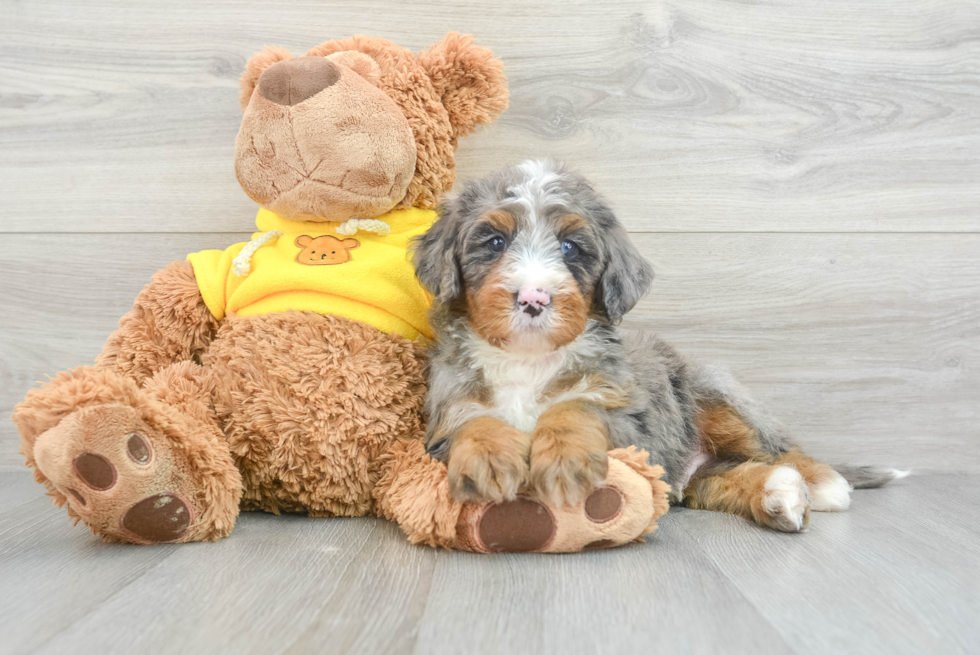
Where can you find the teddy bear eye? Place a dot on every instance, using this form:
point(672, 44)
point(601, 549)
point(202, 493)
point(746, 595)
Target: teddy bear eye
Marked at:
point(314, 252)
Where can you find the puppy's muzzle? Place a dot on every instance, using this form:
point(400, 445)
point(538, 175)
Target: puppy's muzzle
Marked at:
point(533, 302)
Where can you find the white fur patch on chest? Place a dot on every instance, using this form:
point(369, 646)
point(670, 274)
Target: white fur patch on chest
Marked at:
point(518, 381)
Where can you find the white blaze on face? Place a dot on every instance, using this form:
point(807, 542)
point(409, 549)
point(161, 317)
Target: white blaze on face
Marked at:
point(534, 262)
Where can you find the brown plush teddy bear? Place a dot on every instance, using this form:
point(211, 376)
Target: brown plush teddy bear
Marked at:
point(286, 374)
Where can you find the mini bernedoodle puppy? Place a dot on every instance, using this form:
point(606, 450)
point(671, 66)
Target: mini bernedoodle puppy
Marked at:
point(531, 382)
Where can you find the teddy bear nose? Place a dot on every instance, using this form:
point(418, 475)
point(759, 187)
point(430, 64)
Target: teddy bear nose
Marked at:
point(291, 81)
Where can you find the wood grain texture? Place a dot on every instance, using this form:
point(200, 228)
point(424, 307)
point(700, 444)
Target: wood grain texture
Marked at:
point(726, 133)
point(888, 564)
point(876, 579)
point(340, 586)
point(596, 602)
point(693, 115)
point(867, 346)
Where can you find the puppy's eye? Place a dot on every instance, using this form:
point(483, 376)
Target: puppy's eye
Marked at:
point(569, 249)
point(496, 244)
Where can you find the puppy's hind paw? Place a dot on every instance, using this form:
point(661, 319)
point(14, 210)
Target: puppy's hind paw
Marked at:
point(785, 501)
point(832, 493)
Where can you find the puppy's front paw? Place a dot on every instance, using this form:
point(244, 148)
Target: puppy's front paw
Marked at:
point(565, 468)
point(488, 462)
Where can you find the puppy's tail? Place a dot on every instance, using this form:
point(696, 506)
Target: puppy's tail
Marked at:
point(713, 384)
point(869, 477)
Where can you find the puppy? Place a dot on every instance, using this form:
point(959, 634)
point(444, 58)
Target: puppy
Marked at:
point(531, 382)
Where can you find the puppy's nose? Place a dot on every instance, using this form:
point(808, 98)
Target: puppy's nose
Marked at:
point(291, 81)
point(533, 301)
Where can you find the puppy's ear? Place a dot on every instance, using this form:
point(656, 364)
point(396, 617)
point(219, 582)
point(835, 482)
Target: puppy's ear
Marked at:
point(469, 80)
point(435, 254)
point(254, 68)
point(626, 277)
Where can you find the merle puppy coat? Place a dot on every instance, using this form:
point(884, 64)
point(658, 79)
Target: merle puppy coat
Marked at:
point(531, 380)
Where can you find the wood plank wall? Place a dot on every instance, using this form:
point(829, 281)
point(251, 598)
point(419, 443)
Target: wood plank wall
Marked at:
point(804, 175)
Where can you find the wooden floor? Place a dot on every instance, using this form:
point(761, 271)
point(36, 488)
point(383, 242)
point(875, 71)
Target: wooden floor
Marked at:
point(804, 176)
point(898, 573)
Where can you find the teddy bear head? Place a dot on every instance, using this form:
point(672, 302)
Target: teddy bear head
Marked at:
point(359, 126)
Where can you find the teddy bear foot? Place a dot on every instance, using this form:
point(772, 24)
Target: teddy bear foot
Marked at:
point(118, 475)
point(136, 465)
point(622, 511)
point(414, 491)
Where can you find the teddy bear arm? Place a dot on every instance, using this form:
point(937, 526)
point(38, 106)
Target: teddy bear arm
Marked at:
point(169, 323)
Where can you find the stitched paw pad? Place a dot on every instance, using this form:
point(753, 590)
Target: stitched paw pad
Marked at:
point(117, 475)
point(516, 526)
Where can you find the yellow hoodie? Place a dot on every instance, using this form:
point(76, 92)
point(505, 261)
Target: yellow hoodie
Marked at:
point(310, 267)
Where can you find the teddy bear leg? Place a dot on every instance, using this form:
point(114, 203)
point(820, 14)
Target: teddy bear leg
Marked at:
point(414, 491)
point(169, 323)
point(136, 465)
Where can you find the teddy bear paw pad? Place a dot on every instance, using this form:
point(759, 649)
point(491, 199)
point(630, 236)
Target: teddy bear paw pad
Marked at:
point(518, 526)
point(117, 474)
point(157, 519)
point(94, 470)
point(603, 504)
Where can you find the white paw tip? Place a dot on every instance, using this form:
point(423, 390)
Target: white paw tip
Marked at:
point(898, 475)
point(784, 478)
point(786, 499)
point(831, 496)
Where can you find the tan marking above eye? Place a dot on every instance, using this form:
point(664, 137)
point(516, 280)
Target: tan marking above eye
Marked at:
point(571, 222)
point(500, 219)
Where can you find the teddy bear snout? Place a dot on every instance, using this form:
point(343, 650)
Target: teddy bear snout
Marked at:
point(291, 81)
point(371, 181)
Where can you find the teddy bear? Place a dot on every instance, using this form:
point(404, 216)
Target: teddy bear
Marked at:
point(287, 374)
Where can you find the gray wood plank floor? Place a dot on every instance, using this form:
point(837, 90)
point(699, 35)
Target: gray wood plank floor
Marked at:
point(898, 573)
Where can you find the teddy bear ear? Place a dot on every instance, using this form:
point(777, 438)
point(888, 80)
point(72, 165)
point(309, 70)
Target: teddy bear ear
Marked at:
point(254, 68)
point(360, 63)
point(469, 80)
